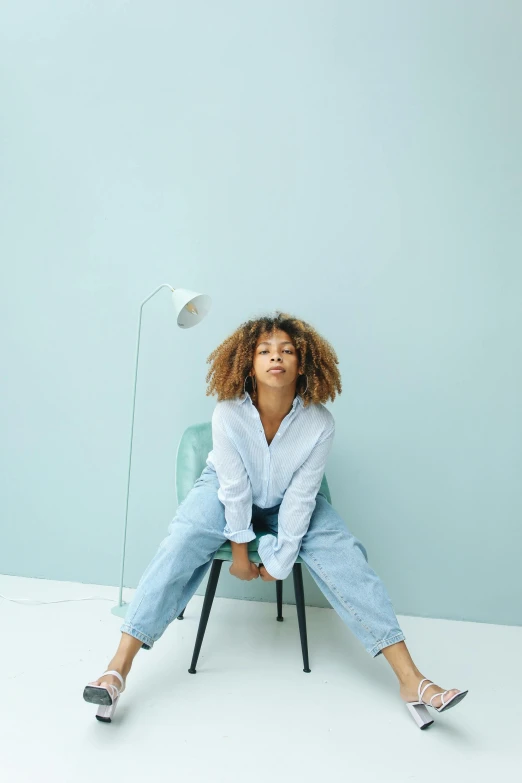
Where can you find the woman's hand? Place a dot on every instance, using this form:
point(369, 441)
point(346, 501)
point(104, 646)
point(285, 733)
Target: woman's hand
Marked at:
point(246, 570)
point(265, 576)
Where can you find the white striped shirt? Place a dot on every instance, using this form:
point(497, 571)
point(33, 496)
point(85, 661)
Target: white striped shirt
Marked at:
point(289, 471)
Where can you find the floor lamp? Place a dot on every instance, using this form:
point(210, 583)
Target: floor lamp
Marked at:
point(190, 308)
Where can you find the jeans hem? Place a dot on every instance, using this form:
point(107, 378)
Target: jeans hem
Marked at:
point(377, 648)
point(132, 631)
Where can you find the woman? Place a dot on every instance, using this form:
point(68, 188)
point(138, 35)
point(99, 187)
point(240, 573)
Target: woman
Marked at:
point(271, 437)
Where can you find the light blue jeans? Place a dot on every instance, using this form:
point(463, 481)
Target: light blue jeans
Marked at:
point(337, 561)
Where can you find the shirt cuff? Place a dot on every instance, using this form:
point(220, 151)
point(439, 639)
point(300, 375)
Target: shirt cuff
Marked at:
point(265, 550)
point(240, 536)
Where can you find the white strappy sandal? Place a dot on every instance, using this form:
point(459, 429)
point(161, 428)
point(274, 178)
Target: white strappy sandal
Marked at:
point(106, 695)
point(418, 709)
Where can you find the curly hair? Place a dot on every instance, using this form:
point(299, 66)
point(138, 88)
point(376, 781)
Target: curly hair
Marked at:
point(232, 361)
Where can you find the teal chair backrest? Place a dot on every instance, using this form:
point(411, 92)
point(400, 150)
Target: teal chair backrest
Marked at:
point(193, 450)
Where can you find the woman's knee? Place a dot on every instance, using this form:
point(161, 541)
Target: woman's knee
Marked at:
point(326, 522)
point(201, 515)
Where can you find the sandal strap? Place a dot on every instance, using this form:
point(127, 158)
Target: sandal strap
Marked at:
point(115, 674)
point(430, 683)
point(441, 697)
point(112, 689)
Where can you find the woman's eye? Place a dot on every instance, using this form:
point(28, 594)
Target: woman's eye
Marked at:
point(287, 350)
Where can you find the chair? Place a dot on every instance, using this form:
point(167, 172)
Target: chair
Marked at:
point(193, 450)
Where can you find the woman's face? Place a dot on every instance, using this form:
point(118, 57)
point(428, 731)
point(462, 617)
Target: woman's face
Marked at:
point(273, 352)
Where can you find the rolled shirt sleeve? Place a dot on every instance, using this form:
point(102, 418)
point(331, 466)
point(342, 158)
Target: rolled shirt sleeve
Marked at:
point(235, 490)
point(279, 554)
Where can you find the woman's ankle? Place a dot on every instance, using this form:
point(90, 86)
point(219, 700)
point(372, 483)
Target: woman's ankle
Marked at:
point(121, 665)
point(411, 678)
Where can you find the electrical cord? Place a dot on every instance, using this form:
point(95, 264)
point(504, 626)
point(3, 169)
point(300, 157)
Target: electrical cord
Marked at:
point(61, 601)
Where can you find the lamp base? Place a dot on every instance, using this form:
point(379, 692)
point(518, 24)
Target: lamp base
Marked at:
point(120, 611)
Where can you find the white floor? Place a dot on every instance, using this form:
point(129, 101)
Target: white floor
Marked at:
point(250, 713)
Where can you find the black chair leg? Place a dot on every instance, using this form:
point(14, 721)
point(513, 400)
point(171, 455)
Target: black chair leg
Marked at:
point(180, 616)
point(279, 594)
point(207, 606)
point(301, 615)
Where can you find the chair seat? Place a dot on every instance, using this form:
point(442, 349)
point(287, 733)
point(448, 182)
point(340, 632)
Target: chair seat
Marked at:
point(225, 551)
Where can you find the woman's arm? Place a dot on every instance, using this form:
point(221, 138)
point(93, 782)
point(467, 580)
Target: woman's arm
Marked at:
point(279, 554)
point(235, 489)
point(239, 552)
point(235, 492)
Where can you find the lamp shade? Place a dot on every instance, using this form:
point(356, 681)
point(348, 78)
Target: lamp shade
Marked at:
point(190, 306)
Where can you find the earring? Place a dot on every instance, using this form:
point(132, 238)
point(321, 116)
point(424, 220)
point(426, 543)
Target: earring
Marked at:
point(304, 392)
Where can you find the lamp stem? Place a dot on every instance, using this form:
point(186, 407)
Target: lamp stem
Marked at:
point(164, 285)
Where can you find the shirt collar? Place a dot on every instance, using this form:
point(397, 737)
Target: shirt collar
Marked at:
point(298, 400)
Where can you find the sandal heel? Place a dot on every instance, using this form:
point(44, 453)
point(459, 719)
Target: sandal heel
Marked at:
point(105, 712)
point(420, 714)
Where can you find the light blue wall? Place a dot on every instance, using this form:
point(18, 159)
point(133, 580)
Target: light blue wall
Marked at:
point(356, 164)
